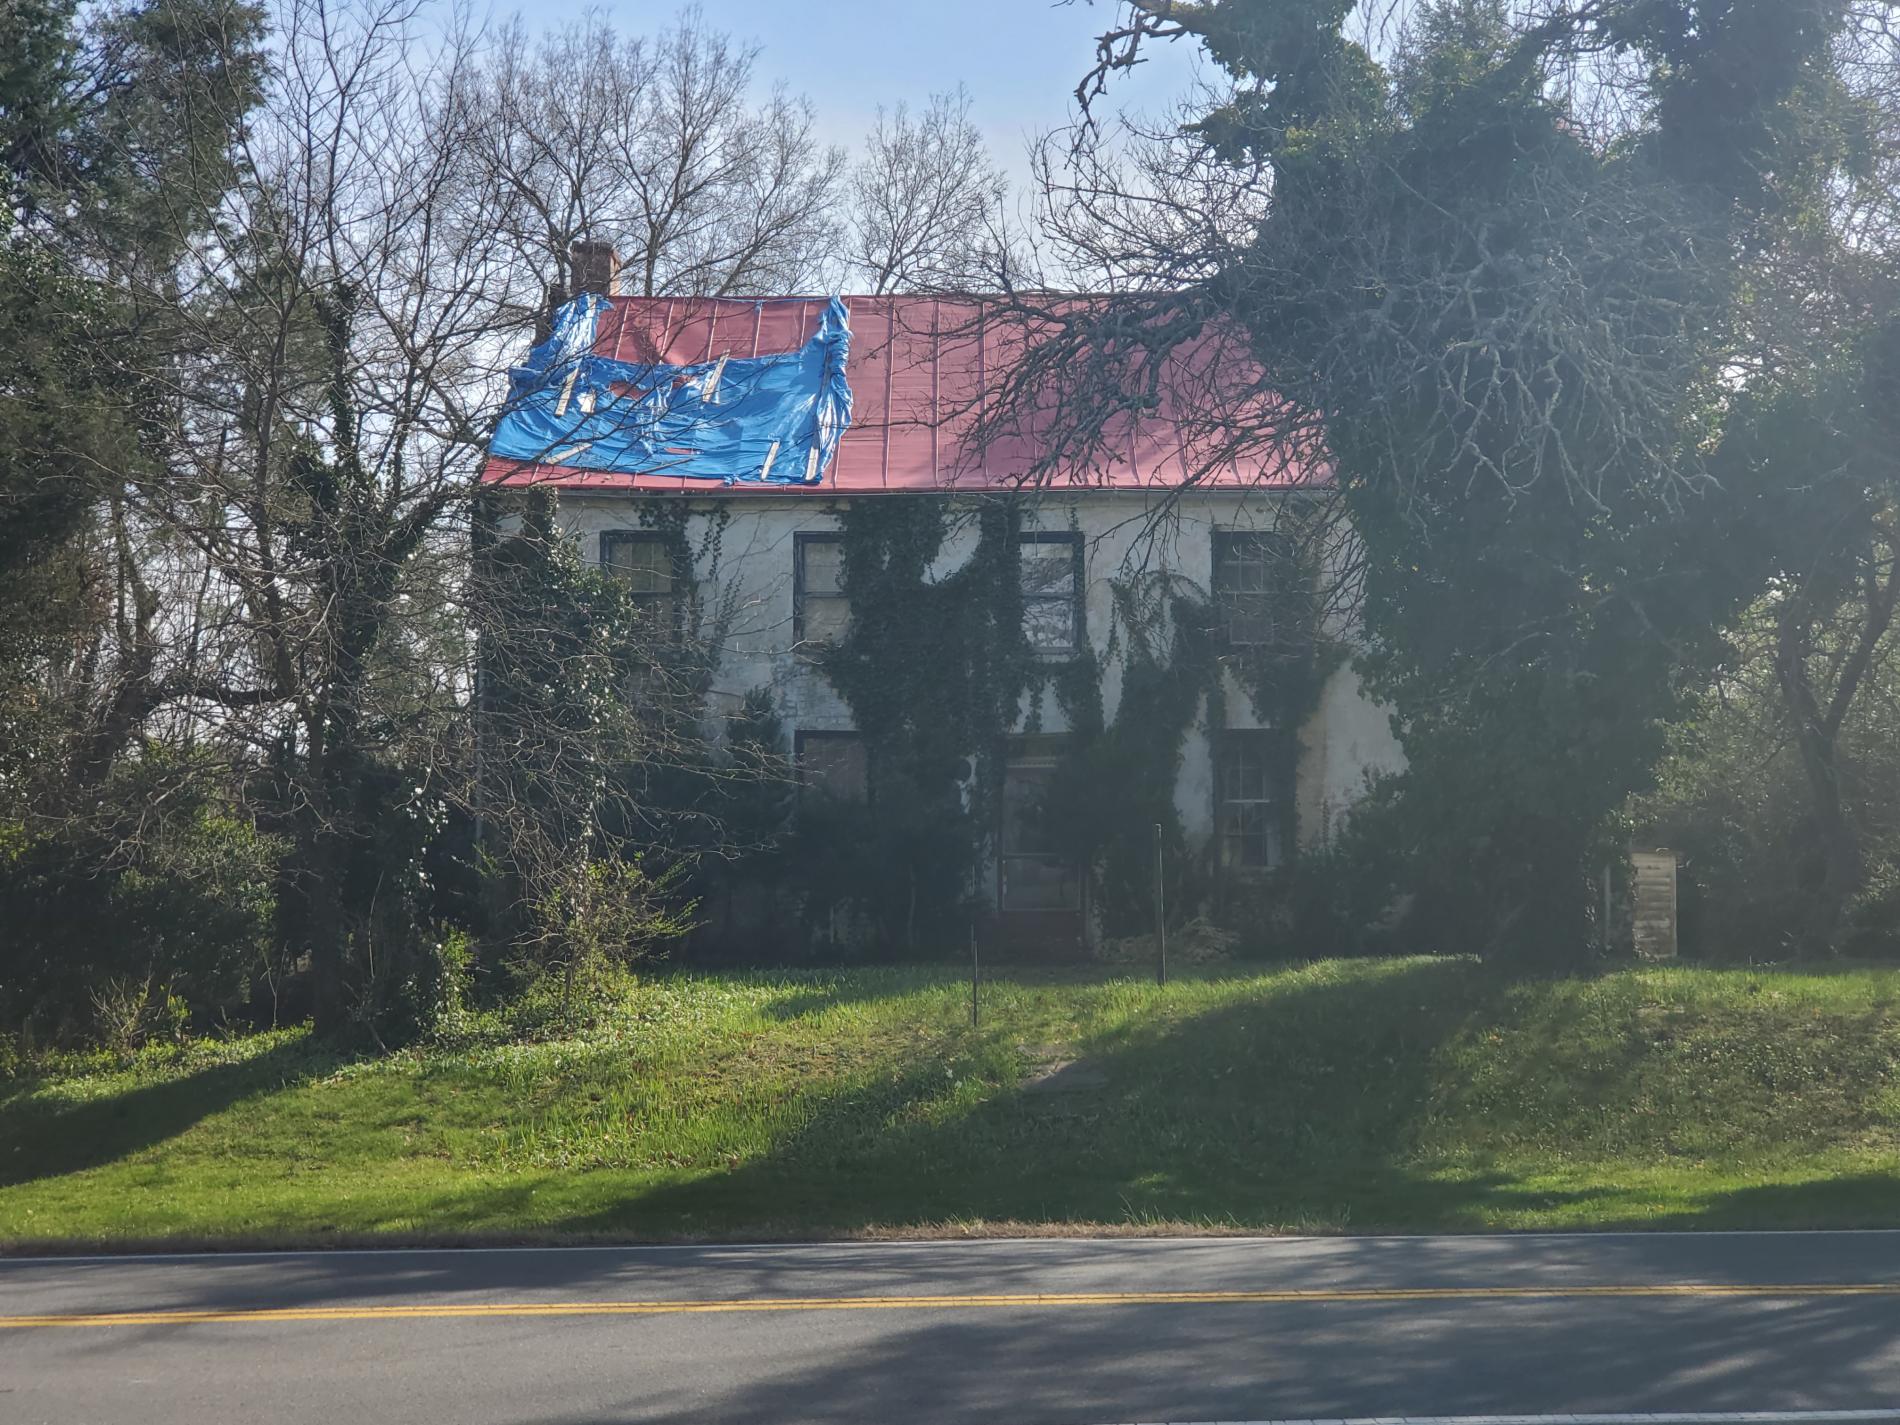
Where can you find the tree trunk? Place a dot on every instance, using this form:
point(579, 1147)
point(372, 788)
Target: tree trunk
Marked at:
point(1818, 739)
point(326, 928)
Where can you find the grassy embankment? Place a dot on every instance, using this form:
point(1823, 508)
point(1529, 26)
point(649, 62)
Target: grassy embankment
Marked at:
point(1416, 1094)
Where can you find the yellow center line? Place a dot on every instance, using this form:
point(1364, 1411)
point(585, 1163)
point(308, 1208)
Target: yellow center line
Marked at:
point(464, 1310)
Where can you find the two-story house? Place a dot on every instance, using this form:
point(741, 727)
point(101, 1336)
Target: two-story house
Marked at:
point(773, 419)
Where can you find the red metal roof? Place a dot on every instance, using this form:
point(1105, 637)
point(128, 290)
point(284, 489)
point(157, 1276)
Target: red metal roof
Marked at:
point(920, 371)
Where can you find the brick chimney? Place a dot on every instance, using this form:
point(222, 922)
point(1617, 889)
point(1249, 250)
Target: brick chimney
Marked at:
point(593, 267)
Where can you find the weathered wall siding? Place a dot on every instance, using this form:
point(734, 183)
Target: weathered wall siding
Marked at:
point(1345, 739)
point(1348, 739)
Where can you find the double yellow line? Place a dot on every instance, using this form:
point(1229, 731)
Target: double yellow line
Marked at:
point(444, 1311)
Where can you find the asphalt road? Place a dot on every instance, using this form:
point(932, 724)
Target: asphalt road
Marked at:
point(1031, 1333)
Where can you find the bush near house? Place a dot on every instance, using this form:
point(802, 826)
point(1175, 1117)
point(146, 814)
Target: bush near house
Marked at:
point(1409, 1093)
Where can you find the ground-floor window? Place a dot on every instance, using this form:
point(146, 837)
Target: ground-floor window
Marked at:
point(1253, 794)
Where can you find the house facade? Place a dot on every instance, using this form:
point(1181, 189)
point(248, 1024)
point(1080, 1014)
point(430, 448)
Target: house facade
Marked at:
point(1254, 778)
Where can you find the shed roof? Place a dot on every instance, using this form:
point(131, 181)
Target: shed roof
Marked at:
point(920, 371)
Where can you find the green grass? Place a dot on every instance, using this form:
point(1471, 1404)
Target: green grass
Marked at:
point(1413, 1094)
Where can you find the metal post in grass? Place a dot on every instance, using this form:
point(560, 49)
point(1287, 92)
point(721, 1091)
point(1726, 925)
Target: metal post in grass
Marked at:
point(973, 974)
point(973, 965)
point(1161, 917)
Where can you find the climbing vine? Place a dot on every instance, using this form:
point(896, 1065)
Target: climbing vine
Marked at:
point(1119, 781)
point(695, 565)
point(934, 672)
point(939, 674)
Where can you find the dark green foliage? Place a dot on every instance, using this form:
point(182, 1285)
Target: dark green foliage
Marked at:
point(934, 672)
point(115, 123)
point(1515, 336)
point(173, 901)
point(39, 59)
point(1120, 782)
point(53, 437)
point(1783, 792)
point(597, 793)
point(939, 676)
point(1724, 73)
point(756, 803)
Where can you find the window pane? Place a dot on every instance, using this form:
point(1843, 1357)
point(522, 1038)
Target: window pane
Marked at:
point(1049, 624)
point(1026, 827)
point(1253, 795)
point(823, 566)
point(1262, 850)
point(824, 620)
point(1048, 569)
point(1245, 573)
point(1035, 873)
point(1244, 569)
point(655, 612)
point(642, 562)
point(1252, 775)
point(1248, 617)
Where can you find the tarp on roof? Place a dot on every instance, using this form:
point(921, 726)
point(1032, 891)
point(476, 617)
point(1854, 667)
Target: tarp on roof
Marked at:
point(773, 419)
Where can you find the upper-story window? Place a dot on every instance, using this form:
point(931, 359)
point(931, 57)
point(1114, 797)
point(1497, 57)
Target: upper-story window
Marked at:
point(1052, 592)
point(820, 611)
point(1253, 586)
point(641, 560)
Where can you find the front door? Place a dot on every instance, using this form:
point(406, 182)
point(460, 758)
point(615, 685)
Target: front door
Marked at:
point(1039, 889)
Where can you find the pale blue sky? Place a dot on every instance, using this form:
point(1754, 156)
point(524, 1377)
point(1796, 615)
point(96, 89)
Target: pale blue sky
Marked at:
point(1020, 59)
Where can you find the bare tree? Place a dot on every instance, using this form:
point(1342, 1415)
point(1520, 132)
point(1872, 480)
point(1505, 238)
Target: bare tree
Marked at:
point(925, 198)
point(657, 147)
point(281, 586)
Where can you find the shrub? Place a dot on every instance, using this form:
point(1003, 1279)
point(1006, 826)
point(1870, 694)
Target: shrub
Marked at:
point(602, 914)
point(126, 936)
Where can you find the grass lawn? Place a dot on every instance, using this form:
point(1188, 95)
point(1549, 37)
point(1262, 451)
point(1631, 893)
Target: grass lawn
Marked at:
point(1411, 1094)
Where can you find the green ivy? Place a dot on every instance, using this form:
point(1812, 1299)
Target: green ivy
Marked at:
point(934, 672)
point(937, 675)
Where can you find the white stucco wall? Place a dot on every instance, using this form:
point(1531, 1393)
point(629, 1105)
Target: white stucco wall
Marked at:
point(1346, 739)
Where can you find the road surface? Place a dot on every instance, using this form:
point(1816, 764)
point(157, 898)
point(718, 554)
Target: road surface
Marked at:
point(1785, 1326)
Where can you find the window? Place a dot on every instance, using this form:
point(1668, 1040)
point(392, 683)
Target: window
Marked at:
point(1254, 584)
point(1037, 873)
point(1252, 801)
point(641, 560)
point(833, 764)
point(1052, 592)
point(820, 611)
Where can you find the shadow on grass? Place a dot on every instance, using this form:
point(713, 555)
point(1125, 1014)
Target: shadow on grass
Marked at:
point(1309, 1107)
point(1293, 1108)
point(1311, 1102)
point(1847, 1201)
point(46, 1139)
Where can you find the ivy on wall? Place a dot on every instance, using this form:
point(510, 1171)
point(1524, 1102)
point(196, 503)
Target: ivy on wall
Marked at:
point(938, 675)
point(934, 672)
point(1120, 777)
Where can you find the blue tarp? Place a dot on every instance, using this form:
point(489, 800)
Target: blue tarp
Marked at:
point(771, 419)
